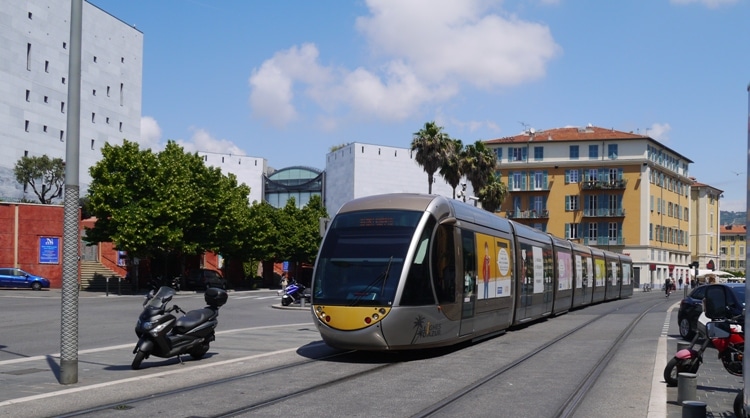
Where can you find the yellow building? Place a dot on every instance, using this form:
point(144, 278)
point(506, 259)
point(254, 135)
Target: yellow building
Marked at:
point(733, 246)
point(620, 191)
point(704, 225)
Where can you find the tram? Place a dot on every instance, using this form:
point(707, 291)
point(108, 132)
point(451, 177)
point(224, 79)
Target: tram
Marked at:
point(408, 271)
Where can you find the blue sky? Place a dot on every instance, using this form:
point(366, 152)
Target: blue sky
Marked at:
point(288, 80)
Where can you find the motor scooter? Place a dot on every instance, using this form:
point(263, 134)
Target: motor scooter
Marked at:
point(162, 334)
point(726, 335)
point(293, 293)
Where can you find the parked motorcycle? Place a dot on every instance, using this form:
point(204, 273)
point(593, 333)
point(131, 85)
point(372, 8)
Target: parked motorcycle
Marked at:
point(162, 334)
point(726, 336)
point(293, 293)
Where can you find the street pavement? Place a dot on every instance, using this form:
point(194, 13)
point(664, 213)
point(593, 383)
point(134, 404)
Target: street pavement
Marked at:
point(29, 379)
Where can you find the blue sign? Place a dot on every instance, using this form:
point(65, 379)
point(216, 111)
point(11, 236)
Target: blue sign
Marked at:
point(49, 250)
point(285, 266)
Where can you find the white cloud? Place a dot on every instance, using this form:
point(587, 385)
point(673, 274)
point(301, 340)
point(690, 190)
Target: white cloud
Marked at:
point(150, 134)
point(711, 4)
point(659, 132)
point(427, 51)
point(203, 141)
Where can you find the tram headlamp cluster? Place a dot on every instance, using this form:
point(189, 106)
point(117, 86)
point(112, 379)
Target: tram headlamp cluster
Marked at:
point(322, 315)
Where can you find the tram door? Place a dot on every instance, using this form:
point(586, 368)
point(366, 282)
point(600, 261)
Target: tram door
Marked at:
point(468, 249)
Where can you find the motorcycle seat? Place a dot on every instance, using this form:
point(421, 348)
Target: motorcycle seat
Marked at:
point(192, 319)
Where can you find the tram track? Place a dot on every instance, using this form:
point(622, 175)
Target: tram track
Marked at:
point(568, 408)
point(399, 384)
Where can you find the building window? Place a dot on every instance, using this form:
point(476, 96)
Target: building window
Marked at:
point(94, 58)
point(538, 153)
point(122, 60)
point(44, 128)
point(571, 176)
point(28, 93)
point(62, 135)
point(517, 154)
point(63, 80)
point(92, 143)
point(122, 88)
point(106, 120)
point(539, 180)
point(28, 57)
point(593, 152)
point(93, 92)
point(93, 117)
point(612, 151)
point(499, 154)
point(574, 152)
point(62, 107)
point(46, 99)
point(571, 203)
point(29, 15)
point(571, 231)
point(593, 231)
point(26, 125)
point(65, 45)
point(46, 66)
point(120, 126)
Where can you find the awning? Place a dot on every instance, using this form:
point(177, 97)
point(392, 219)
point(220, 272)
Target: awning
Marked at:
point(702, 273)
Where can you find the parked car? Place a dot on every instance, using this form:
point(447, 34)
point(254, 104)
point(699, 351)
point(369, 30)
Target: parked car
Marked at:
point(13, 277)
point(691, 306)
point(202, 278)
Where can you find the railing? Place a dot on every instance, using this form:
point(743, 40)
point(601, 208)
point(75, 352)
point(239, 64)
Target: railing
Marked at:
point(605, 240)
point(604, 185)
point(528, 214)
point(604, 212)
point(529, 188)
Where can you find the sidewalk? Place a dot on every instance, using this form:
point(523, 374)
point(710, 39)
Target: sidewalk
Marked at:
point(715, 386)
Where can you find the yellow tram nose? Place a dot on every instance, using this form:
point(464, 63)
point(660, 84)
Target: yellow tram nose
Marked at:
point(350, 318)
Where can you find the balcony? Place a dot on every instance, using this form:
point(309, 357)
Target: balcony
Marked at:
point(603, 241)
point(604, 185)
point(604, 213)
point(528, 214)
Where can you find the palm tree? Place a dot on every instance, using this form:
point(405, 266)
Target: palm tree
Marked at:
point(431, 144)
point(451, 168)
point(478, 165)
point(493, 194)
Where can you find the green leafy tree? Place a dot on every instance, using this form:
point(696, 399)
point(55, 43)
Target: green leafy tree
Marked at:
point(493, 194)
point(451, 168)
point(432, 145)
point(45, 176)
point(167, 203)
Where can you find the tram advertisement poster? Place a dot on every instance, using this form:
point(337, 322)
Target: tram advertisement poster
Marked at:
point(494, 254)
point(614, 272)
point(599, 269)
point(564, 271)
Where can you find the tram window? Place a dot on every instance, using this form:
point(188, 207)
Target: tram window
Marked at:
point(417, 289)
point(444, 264)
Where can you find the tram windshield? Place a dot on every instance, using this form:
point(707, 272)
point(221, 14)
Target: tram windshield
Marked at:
point(362, 257)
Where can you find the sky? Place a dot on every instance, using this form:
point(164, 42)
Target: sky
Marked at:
point(289, 80)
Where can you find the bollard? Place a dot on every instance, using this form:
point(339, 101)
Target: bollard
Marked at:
point(687, 383)
point(681, 345)
point(106, 286)
point(693, 409)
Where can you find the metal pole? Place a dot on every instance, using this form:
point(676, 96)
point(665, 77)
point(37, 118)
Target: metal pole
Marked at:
point(69, 314)
point(745, 367)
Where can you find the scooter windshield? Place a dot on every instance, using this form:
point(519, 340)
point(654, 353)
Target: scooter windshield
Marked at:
point(161, 297)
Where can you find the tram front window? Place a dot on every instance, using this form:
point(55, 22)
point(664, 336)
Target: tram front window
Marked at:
point(362, 257)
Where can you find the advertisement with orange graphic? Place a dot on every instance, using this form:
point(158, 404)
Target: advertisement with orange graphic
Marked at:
point(495, 258)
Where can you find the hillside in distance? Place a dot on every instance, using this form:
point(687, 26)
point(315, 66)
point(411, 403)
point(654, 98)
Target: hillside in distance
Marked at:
point(729, 218)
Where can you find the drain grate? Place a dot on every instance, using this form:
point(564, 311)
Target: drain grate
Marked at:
point(23, 372)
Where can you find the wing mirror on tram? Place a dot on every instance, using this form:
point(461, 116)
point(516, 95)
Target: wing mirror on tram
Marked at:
point(448, 221)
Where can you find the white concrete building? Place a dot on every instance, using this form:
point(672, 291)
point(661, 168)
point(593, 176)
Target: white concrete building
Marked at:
point(358, 170)
point(248, 170)
point(34, 85)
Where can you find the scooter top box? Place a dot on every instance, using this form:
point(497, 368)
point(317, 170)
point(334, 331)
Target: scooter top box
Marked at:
point(215, 297)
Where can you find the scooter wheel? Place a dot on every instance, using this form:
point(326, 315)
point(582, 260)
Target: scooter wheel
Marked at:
point(286, 300)
point(139, 356)
point(676, 366)
point(198, 352)
point(739, 405)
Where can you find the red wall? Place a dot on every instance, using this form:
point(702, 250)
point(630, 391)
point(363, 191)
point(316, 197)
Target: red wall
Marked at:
point(26, 223)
